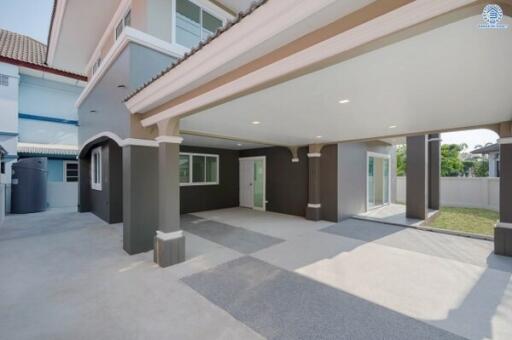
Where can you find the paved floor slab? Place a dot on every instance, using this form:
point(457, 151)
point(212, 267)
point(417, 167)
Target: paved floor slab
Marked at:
point(283, 305)
point(239, 239)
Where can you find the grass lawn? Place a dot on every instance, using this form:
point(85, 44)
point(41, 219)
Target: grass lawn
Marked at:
point(470, 220)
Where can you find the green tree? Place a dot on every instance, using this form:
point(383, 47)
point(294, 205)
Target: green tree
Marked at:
point(481, 168)
point(451, 164)
point(400, 160)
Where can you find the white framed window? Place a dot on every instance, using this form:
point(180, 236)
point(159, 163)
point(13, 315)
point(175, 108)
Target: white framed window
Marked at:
point(70, 171)
point(96, 182)
point(126, 20)
point(199, 169)
point(194, 23)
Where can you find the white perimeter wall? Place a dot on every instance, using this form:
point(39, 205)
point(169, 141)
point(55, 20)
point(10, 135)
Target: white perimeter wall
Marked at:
point(2, 203)
point(465, 192)
point(62, 194)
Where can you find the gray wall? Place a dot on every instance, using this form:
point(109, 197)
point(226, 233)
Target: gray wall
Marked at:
point(352, 175)
point(105, 203)
point(207, 197)
point(329, 184)
point(286, 182)
point(134, 66)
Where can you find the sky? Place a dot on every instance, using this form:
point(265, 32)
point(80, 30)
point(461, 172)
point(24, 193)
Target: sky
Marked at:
point(470, 137)
point(27, 17)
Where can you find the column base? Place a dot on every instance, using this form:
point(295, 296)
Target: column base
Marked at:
point(313, 212)
point(503, 239)
point(169, 248)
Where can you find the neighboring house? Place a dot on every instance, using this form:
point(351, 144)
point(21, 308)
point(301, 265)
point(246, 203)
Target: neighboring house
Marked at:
point(275, 111)
point(492, 154)
point(38, 115)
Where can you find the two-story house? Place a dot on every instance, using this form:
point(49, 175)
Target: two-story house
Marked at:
point(38, 117)
point(290, 106)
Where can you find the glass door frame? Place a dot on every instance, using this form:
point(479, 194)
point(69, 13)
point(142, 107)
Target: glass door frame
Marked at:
point(384, 156)
point(264, 159)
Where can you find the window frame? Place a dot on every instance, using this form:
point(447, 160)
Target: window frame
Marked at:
point(202, 8)
point(99, 184)
point(65, 175)
point(191, 169)
point(121, 23)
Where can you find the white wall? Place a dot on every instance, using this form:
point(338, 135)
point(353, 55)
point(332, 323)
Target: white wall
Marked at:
point(2, 203)
point(465, 192)
point(62, 194)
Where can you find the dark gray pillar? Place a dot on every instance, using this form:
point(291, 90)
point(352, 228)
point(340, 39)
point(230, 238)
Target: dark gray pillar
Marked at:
point(313, 209)
point(503, 230)
point(140, 197)
point(417, 162)
point(434, 171)
point(169, 241)
point(84, 184)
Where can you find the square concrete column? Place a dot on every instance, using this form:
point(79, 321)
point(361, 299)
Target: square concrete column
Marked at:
point(416, 180)
point(140, 197)
point(503, 230)
point(434, 171)
point(314, 206)
point(169, 239)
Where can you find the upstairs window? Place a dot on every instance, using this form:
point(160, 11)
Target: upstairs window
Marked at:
point(194, 24)
point(96, 65)
point(96, 182)
point(70, 171)
point(4, 80)
point(125, 21)
point(199, 169)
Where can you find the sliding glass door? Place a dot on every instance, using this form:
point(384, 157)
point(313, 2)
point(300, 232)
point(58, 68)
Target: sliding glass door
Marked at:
point(378, 180)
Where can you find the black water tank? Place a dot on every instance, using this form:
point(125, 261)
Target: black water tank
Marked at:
point(29, 179)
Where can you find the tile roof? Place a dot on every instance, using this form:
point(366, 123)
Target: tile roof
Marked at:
point(25, 51)
point(20, 47)
point(254, 6)
point(47, 149)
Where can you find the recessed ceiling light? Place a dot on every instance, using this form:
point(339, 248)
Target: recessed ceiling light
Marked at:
point(239, 144)
point(256, 122)
point(344, 101)
point(392, 126)
point(319, 137)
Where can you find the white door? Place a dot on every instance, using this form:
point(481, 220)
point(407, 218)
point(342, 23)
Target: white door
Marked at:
point(246, 183)
point(252, 183)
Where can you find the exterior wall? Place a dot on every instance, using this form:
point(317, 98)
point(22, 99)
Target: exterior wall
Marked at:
point(329, 184)
point(9, 119)
point(133, 67)
point(286, 182)
point(464, 192)
point(352, 186)
point(2, 203)
point(46, 98)
point(207, 197)
point(62, 194)
point(106, 203)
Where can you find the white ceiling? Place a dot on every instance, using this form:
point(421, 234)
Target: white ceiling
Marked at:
point(219, 143)
point(82, 28)
point(454, 76)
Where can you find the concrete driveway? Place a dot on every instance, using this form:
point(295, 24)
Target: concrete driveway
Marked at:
point(250, 275)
